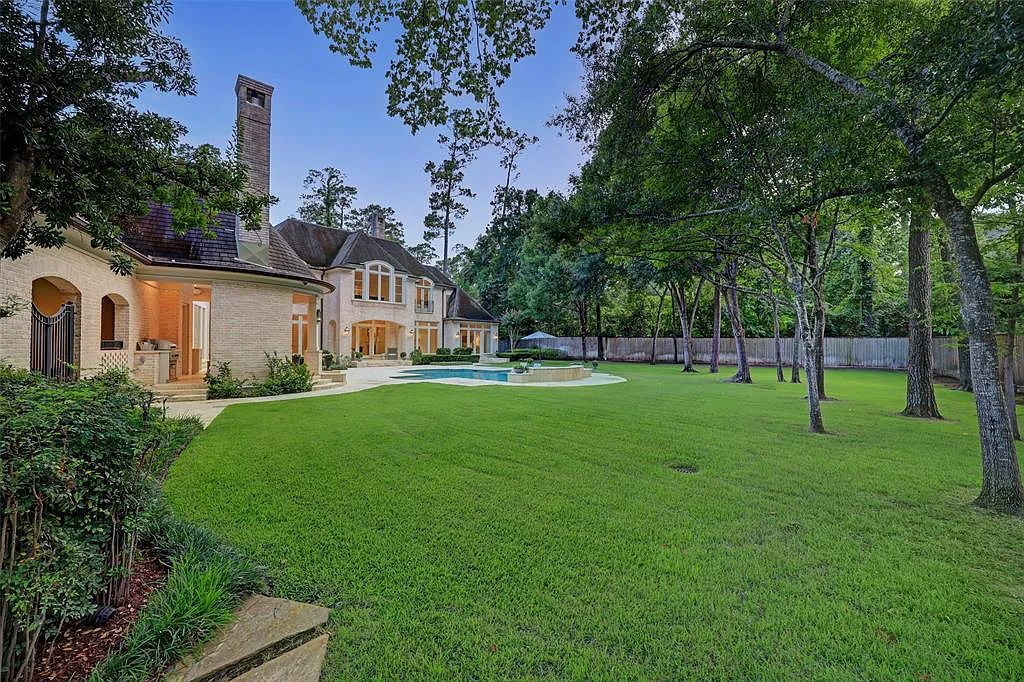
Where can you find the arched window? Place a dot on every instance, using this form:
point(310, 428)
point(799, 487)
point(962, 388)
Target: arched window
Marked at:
point(380, 279)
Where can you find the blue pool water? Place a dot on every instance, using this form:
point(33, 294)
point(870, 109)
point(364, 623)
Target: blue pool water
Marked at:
point(455, 373)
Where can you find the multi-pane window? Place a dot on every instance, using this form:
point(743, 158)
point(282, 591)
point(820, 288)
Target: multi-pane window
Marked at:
point(475, 335)
point(423, 303)
point(426, 336)
point(378, 282)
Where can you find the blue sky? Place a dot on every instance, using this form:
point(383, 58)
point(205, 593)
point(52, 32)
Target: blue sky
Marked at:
point(328, 113)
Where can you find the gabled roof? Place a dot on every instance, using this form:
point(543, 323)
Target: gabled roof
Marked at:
point(153, 238)
point(328, 247)
point(315, 244)
point(462, 306)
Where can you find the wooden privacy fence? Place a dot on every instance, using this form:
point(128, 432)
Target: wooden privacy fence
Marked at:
point(859, 352)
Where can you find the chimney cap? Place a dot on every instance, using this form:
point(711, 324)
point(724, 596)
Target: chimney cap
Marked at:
point(246, 82)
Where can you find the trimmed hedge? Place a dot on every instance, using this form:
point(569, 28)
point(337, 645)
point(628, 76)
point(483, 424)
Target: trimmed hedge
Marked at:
point(440, 358)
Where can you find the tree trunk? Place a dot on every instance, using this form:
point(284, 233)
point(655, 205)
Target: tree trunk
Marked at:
point(679, 294)
point(866, 282)
point(816, 423)
point(693, 318)
point(819, 339)
point(963, 352)
point(657, 327)
point(599, 330)
point(779, 375)
point(582, 307)
point(716, 328)
point(798, 341)
point(17, 171)
point(963, 362)
point(1001, 484)
point(817, 324)
point(732, 310)
point(920, 391)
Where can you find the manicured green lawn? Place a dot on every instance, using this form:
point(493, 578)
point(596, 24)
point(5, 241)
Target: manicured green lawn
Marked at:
point(504, 532)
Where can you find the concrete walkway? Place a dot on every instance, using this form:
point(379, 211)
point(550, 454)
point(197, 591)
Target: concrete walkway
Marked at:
point(362, 378)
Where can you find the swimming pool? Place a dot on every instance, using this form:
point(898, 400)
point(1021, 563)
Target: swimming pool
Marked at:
point(424, 373)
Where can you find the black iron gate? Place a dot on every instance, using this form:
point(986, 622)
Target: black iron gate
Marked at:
point(53, 343)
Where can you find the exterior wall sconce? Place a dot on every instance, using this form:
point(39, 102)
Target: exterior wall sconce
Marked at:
point(345, 331)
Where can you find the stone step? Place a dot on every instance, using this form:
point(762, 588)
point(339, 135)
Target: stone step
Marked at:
point(301, 664)
point(182, 397)
point(172, 389)
point(259, 625)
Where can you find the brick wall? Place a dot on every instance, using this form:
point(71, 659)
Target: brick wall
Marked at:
point(247, 319)
point(87, 273)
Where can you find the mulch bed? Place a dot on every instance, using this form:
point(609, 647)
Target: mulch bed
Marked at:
point(81, 646)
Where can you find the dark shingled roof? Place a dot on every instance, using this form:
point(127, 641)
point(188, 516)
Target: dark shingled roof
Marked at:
point(154, 239)
point(462, 306)
point(328, 247)
point(315, 244)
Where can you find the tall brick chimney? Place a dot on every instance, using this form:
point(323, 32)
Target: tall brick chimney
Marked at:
point(254, 148)
point(376, 226)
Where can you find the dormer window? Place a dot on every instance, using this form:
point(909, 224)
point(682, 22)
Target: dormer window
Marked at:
point(256, 97)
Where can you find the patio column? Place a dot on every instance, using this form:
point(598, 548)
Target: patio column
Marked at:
point(312, 355)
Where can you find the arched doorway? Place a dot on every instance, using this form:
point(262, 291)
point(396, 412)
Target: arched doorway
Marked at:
point(55, 340)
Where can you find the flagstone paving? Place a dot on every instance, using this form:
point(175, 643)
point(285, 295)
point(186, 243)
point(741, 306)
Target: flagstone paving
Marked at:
point(262, 624)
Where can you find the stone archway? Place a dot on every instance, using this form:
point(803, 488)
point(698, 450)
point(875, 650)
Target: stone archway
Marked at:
point(114, 319)
point(56, 337)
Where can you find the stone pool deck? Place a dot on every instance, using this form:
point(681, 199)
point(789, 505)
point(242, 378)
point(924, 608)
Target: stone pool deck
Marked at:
point(363, 378)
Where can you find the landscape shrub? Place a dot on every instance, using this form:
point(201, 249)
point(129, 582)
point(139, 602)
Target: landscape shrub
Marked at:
point(285, 377)
point(328, 358)
point(77, 492)
point(340, 362)
point(222, 383)
point(443, 351)
point(438, 358)
point(416, 357)
point(205, 584)
point(462, 350)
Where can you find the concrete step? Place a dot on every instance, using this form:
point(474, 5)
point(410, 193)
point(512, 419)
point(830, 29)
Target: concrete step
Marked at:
point(261, 624)
point(301, 664)
point(337, 376)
